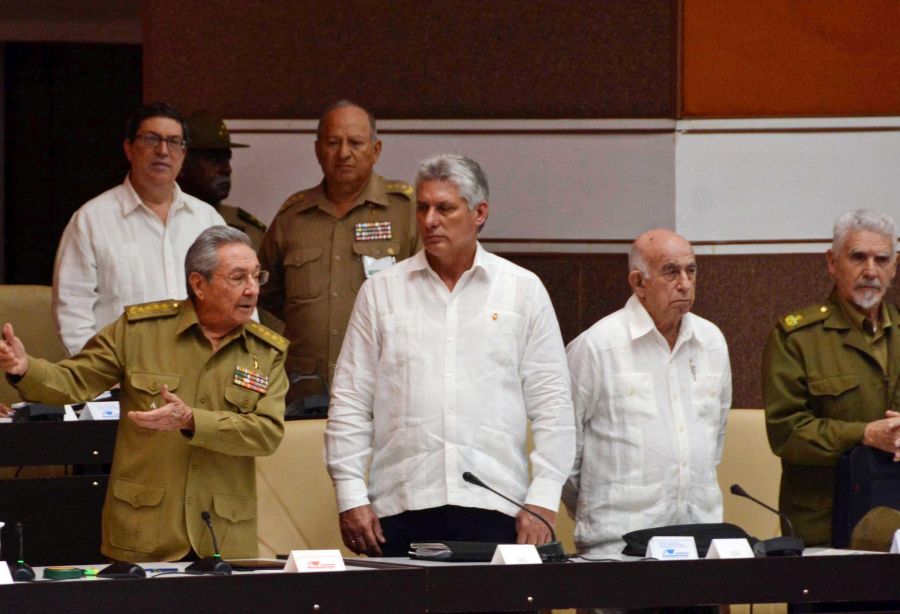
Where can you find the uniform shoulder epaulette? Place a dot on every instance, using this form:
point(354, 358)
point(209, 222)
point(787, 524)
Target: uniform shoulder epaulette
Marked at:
point(157, 309)
point(268, 335)
point(292, 200)
point(399, 187)
point(251, 219)
point(804, 317)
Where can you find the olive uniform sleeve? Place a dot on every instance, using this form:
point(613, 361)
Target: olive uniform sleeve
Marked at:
point(796, 433)
point(98, 367)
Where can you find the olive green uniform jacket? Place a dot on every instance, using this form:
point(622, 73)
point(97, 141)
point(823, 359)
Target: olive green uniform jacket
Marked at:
point(821, 386)
point(244, 221)
point(315, 263)
point(160, 482)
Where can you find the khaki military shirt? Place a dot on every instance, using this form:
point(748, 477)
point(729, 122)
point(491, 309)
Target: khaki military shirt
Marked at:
point(244, 221)
point(315, 262)
point(822, 384)
point(160, 482)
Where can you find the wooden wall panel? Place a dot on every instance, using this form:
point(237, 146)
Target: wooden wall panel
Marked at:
point(414, 59)
point(744, 295)
point(790, 58)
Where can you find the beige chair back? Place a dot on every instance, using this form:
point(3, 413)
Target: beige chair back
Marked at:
point(29, 310)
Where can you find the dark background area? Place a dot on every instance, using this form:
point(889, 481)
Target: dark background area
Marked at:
point(65, 110)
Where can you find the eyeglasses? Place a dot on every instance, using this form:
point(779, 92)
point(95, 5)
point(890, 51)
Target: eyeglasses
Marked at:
point(151, 140)
point(239, 280)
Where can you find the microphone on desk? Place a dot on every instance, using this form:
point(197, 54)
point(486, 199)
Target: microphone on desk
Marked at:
point(21, 571)
point(550, 553)
point(214, 563)
point(777, 546)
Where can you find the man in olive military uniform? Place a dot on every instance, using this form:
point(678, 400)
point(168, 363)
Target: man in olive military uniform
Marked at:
point(206, 173)
point(325, 241)
point(202, 393)
point(830, 373)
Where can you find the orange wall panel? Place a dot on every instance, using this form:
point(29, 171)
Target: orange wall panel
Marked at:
point(790, 58)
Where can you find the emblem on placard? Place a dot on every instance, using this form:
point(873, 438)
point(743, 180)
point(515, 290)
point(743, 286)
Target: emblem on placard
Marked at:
point(250, 379)
point(373, 231)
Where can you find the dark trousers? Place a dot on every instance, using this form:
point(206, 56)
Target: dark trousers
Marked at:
point(448, 522)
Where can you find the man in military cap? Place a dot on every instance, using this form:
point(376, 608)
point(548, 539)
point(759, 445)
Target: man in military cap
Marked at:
point(202, 392)
point(830, 373)
point(326, 240)
point(206, 173)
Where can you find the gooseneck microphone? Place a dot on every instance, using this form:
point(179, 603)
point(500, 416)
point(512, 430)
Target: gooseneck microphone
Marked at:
point(22, 571)
point(214, 563)
point(550, 553)
point(788, 545)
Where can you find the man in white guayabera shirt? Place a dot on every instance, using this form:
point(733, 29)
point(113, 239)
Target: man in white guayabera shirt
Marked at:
point(651, 384)
point(127, 246)
point(447, 357)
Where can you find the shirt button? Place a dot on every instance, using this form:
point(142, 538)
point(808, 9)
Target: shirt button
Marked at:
point(337, 257)
point(333, 331)
point(334, 293)
point(202, 400)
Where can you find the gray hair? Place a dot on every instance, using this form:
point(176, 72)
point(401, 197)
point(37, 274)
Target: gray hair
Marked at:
point(863, 219)
point(342, 104)
point(203, 254)
point(463, 172)
point(636, 261)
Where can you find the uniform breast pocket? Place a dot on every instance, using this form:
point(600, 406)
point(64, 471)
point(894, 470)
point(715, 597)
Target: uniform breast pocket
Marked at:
point(832, 395)
point(148, 386)
point(634, 400)
point(303, 274)
point(379, 255)
point(240, 400)
point(502, 333)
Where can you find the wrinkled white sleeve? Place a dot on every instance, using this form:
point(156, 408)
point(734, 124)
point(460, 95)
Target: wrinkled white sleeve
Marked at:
point(75, 287)
point(725, 403)
point(548, 403)
point(348, 433)
point(585, 373)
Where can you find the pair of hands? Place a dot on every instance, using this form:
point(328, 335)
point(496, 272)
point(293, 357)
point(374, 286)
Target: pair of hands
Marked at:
point(362, 534)
point(173, 416)
point(884, 434)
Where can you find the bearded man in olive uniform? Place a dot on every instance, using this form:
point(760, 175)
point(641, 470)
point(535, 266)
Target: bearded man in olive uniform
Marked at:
point(830, 373)
point(202, 393)
point(327, 240)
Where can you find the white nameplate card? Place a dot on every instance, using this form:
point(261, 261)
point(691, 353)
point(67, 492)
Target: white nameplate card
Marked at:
point(673, 548)
point(516, 554)
point(895, 543)
point(738, 548)
point(108, 410)
point(301, 561)
point(5, 576)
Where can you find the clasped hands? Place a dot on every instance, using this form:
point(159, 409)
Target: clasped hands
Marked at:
point(884, 434)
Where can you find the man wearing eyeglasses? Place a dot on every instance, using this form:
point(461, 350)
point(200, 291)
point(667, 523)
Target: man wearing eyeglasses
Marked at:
point(202, 393)
point(127, 246)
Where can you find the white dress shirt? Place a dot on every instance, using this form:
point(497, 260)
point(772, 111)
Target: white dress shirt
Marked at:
point(432, 383)
point(116, 252)
point(650, 424)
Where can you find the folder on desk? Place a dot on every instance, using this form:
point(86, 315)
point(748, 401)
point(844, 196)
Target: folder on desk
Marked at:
point(454, 551)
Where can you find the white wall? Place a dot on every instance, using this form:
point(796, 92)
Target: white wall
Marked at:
point(731, 186)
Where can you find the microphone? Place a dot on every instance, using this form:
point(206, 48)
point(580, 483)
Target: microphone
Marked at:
point(777, 546)
point(214, 563)
point(550, 553)
point(22, 571)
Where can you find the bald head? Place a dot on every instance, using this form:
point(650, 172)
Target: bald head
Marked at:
point(662, 271)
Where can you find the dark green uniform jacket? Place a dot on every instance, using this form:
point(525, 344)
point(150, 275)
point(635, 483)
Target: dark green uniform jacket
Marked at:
point(821, 386)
